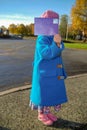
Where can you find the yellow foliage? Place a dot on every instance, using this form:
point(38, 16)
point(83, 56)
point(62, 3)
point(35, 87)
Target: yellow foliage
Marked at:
point(79, 15)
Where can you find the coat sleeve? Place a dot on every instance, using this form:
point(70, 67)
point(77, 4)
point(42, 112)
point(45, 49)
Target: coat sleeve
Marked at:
point(47, 51)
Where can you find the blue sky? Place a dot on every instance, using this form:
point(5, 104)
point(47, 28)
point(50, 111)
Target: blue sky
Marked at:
point(24, 11)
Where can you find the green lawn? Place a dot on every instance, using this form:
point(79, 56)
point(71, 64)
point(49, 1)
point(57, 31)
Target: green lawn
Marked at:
point(76, 45)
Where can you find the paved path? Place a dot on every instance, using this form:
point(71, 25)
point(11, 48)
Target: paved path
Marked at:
point(15, 113)
point(16, 58)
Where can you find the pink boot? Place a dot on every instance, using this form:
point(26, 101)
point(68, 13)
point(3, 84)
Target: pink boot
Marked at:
point(44, 119)
point(52, 117)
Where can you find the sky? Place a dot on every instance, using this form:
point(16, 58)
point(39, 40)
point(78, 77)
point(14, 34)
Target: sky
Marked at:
point(24, 11)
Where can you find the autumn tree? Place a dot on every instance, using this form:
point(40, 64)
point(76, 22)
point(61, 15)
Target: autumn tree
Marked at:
point(4, 28)
point(79, 16)
point(21, 29)
point(63, 25)
point(28, 30)
point(32, 28)
point(12, 28)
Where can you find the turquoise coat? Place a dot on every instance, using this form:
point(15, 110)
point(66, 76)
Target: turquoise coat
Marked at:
point(48, 87)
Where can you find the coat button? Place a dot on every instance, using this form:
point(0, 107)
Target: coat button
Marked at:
point(59, 77)
point(59, 66)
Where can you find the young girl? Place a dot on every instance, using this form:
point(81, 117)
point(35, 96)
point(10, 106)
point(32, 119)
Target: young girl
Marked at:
point(48, 87)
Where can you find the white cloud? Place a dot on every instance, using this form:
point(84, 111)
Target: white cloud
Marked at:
point(6, 20)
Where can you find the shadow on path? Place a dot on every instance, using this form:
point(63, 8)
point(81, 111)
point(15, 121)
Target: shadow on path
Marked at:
point(69, 125)
point(3, 128)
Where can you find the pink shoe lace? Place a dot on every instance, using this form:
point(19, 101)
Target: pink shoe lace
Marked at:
point(44, 119)
point(52, 117)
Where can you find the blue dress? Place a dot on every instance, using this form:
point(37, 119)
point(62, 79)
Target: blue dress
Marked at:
point(48, 87)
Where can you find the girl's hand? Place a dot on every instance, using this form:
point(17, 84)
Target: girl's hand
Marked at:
point(57, 39)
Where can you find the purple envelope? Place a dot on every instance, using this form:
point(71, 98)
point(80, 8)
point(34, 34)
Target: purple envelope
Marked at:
point(46, 26)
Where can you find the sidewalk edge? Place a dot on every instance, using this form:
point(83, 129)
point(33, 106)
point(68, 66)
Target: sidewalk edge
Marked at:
point(15, 90)
point(29, 86)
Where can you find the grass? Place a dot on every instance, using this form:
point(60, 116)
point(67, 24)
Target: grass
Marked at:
point(76, 45)
point(72, 44)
